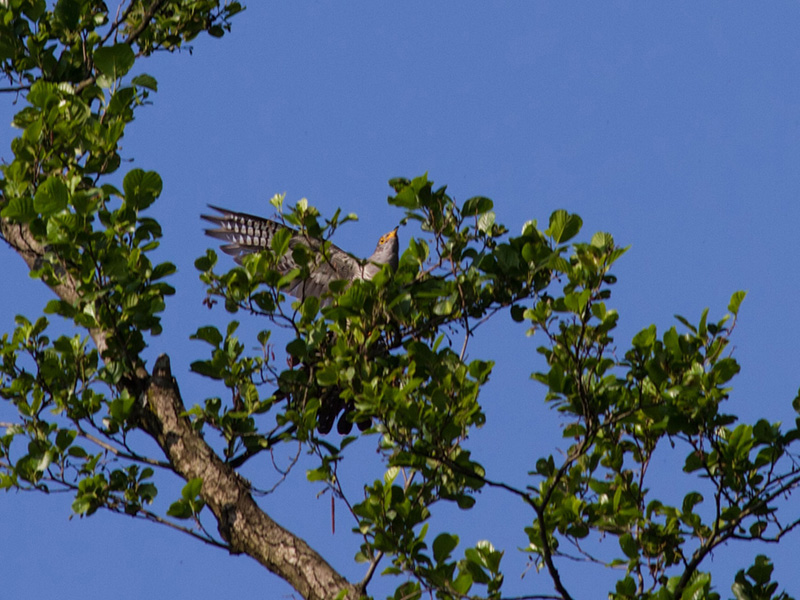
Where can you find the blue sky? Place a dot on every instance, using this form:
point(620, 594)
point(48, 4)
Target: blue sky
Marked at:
point(675, 127)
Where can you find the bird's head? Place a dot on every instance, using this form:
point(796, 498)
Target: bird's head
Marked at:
point(387, 250)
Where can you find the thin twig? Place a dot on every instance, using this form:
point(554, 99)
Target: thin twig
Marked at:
point(154, 518)
point(118, 20)
point(533, 597)
point(238, 461)
point(284, 474)
point(18, 88)
point(117, 452)
point(130, 39)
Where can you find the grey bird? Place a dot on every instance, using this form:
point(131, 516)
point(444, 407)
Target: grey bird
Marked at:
point(247, 234)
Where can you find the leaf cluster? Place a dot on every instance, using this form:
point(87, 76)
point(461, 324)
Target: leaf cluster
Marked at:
point(86, 238)
point(389, 355)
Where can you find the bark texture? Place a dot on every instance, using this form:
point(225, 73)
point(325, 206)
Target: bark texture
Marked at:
point(247, 528)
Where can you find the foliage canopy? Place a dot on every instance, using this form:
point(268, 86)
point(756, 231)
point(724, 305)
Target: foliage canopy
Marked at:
point(379, 349)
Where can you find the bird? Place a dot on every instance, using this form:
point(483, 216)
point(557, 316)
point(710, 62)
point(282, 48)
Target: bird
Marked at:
point(247, 234)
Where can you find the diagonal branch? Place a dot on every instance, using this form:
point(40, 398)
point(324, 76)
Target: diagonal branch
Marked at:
point(19, 237)
point(241, 523)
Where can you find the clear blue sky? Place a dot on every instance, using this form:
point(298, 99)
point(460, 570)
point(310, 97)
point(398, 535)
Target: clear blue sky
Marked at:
point(673, 126)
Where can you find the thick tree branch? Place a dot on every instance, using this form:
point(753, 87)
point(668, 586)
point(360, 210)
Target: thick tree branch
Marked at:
point(32, 252)
point(241, 523)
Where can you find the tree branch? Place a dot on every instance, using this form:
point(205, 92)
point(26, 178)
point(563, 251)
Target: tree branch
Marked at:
point(241, 523)
point(146, 460)
point(238, 461)
point(152, 517)
point(17, 88)
point(20, 238)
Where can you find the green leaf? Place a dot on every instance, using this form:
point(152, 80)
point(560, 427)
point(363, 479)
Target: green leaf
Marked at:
point(68, 12)
point(192, 488)
point(486, 221)
point(408, 192)
point(280, 241)
point(699, 584)
point(443, 546)
point(141, 188)
point(444, 307)
point(419, 250)
point(207, 262)
point(320, 474)
point(529, 252)
point(725, 369)
point(672, 343)
point(81, 506)
point(64, 438)
point(390, 475)
point(145, 81)
point(736, 301)
point(60, 307)
point(602, 240)
point(463, 583)
point(564, 226)
point(207, 368)
point(179, 509)
point(476, 206)
point(310, 308)
point(120, 408)
point(162, 270)
point(51, 197)
point(115, 60)
point(328, 376)
point(209, 334)
point(517, 313)
point(690, 500)
point(465, 502)
point(629, 546)
point(19, 209)
point(626, 587)
point(761, 571)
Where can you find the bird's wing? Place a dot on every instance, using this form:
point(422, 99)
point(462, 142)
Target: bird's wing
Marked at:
point(248, 234)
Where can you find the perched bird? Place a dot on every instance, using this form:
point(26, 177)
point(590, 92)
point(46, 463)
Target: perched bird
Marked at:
point(247, 234)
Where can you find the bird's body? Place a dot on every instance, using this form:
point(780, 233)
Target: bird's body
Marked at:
point(247, 234)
